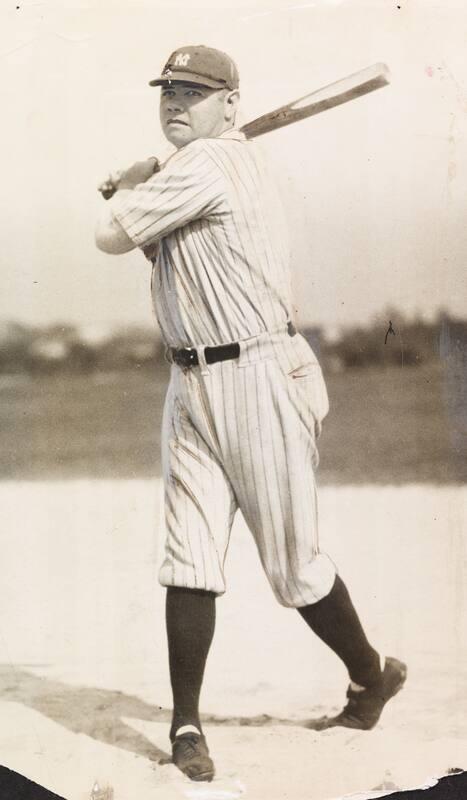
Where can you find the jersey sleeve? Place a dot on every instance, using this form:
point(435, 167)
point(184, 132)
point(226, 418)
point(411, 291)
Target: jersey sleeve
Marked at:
point(190, 186)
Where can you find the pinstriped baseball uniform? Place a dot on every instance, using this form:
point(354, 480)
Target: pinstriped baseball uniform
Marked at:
point(237, 434)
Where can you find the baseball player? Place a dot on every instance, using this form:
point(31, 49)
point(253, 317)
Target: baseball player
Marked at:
point(246, 397)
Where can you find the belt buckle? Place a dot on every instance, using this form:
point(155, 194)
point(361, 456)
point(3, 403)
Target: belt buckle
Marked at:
point(185, 357)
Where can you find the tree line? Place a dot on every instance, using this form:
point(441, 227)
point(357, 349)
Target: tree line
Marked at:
point(389, 339)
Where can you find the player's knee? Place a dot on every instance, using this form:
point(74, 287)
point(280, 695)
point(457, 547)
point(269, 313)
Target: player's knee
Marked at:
point(307, 583)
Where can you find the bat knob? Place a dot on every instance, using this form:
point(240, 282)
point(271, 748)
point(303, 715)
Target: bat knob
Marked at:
point(107, 193)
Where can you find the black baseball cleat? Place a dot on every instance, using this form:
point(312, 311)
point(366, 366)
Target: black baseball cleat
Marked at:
point(364, 707)
point(191, 755)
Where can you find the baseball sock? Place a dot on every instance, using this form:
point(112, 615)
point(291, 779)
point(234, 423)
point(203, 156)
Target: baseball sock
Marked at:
point(190, 620)
point(335, 620)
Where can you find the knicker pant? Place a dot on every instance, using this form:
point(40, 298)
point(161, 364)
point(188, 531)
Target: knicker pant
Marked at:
point(241, 434)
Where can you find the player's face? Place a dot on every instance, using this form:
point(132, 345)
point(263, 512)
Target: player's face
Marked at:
point(189, 111)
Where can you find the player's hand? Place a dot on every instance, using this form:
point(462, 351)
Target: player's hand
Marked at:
point(108, 187)
point(139, 172)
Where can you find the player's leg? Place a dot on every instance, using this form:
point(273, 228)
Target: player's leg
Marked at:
point(373, 680)
point(336, 622)
point(282, 405)
point(333, 617)
point(190, 620)
point(199, 513)
point(271, 468)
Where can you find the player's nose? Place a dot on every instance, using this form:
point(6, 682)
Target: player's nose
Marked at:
point(174, 105)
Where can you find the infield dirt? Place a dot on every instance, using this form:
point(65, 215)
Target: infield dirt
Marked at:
point(84, 688)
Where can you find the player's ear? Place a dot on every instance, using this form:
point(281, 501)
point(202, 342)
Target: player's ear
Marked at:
point(231, 102)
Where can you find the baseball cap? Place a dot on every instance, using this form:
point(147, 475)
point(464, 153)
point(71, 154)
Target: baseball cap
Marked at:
point(199, 64)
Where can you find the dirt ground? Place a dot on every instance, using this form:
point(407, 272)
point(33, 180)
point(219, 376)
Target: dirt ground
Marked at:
point(84, 688)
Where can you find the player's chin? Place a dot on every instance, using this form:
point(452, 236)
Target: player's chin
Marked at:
point(179, 135)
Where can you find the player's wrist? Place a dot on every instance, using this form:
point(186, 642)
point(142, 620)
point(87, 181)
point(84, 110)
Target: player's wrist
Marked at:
point(140, 172)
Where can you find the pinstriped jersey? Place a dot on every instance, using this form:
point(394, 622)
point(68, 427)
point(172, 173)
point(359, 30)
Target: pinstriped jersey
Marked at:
point(212, 223)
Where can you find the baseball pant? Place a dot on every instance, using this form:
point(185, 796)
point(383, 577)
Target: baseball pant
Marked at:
point(241, 434)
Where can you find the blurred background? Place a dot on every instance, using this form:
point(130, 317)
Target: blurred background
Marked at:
point(78, 402)
point(374, 191)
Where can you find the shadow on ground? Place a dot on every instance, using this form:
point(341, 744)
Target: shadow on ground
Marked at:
point(100, 713)
point(95, 712)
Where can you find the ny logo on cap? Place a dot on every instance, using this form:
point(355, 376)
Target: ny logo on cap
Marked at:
point(182, 59)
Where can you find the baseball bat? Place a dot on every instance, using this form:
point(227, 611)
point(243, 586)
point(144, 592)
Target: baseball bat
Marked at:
point(341, 91)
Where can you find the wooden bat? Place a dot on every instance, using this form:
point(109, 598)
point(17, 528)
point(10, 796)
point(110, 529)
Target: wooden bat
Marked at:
point(356, 85)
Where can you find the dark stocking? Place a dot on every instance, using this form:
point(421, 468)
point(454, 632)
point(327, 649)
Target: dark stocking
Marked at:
point(336, 622)
point(190, 619)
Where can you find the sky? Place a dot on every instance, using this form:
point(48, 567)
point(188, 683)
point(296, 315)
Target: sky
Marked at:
point(374, 190)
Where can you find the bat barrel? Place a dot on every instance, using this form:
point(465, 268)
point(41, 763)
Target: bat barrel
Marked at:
point(335, 94)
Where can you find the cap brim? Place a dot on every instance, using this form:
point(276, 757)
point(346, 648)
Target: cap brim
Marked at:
point(188, 77)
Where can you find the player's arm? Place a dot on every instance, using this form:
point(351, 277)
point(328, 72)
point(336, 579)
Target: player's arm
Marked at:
point(190, 186)
point(110, 236)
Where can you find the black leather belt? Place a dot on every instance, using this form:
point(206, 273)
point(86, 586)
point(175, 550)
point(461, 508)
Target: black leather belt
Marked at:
point(188, 357)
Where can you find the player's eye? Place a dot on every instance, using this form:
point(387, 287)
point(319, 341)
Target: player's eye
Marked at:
point(193, 93)
point(168, 93)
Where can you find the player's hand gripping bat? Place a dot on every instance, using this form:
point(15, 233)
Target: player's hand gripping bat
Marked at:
point(356, 85)
point(129, 178)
